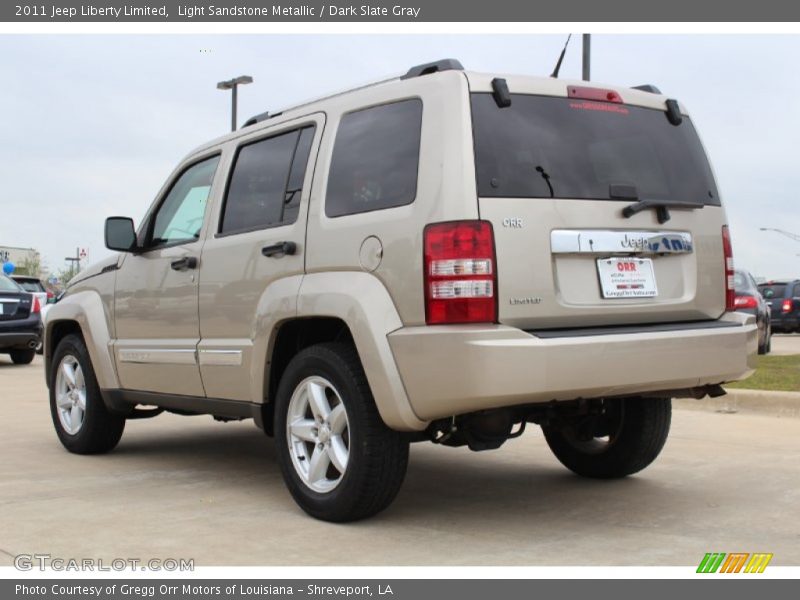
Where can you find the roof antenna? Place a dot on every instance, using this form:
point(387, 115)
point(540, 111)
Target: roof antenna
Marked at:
point(560, 59)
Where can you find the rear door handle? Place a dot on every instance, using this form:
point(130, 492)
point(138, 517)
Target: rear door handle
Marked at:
point(279, 249)
point(187, 262)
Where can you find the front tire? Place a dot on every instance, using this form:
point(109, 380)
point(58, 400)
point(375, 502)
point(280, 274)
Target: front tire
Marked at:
point(339, 460)
point(83, 423)
point(624, 438)
point(22, 357)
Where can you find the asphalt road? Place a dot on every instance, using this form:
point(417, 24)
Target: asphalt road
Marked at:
point(786, 343)
point(188, 487)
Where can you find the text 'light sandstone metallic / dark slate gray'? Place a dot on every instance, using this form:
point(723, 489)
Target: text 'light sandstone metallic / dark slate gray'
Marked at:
point(402, 10)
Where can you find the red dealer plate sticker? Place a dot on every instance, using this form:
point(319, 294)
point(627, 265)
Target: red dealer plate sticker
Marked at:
point(627, 277)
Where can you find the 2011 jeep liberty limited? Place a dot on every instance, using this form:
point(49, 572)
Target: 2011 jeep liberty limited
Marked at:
point(443, 256)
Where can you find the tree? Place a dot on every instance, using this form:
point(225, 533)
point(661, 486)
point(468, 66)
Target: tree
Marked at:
point(31, 266)
point(64, 275)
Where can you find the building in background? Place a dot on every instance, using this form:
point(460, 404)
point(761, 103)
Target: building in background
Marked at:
point(18, 256)
point(26, 261)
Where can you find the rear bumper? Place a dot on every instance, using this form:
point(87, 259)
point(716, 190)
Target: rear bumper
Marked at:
point(450, 370)
point(20, 334)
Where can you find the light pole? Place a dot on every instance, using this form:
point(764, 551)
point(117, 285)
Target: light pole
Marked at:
point(233, 84)
point(792, 236)
point(74, 263)
point(587, 56)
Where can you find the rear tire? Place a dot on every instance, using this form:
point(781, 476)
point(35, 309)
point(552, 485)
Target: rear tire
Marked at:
point(325, 415)
point(82, 422)
point(764, 345)
point(623, 440)
point(22, 357)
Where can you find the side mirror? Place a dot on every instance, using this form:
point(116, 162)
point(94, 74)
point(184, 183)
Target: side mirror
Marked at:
point(120, 234)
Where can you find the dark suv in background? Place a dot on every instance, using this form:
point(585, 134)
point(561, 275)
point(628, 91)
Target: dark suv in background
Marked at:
point(749, 299)
point(20, 322)
point(784, 300)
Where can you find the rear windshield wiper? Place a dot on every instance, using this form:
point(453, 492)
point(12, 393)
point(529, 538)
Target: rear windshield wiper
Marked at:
point(662, 208)
point(629, 192)
point(546, 176)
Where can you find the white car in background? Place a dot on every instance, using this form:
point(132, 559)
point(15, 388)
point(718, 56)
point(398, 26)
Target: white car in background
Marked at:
point(34, 286)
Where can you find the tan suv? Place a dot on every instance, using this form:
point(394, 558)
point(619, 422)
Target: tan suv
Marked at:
point(443, 256)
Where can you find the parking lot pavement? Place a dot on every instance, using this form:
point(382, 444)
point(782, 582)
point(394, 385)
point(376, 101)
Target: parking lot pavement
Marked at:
point(785, 343)
point(188, 487)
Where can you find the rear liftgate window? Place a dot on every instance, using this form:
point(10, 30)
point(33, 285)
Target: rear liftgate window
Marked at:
point(772, 290)
point(545, 147)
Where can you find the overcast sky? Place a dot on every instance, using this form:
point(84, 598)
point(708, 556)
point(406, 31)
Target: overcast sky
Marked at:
point(92, 125)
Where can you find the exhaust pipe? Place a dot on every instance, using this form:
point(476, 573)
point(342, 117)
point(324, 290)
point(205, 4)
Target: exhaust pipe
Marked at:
point(32, 344)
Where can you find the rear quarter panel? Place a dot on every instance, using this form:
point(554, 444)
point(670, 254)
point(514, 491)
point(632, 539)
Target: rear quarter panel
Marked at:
point(445, 190)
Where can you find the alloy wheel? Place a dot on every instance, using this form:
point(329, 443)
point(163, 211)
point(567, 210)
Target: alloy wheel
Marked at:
point(318, 434)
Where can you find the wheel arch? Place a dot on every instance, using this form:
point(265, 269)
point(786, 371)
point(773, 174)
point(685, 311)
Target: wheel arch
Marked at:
point(289, 338)
point(82, 313)
point(343, 306)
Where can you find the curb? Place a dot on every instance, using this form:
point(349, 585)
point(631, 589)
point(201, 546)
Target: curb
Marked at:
point(777, 404)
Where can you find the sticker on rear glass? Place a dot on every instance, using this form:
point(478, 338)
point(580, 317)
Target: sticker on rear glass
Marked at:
point(599, 106)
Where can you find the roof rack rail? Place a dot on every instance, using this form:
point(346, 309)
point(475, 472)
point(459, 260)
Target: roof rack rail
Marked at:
point(257, 119)
point(445, 64)
point(647, 87)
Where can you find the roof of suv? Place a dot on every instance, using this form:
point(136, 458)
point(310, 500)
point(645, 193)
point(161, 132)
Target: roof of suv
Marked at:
point(646, 95)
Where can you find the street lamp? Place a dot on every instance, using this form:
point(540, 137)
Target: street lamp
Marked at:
point(74, 263)
point(233, 84)
point(587, 56)
point(792, 236)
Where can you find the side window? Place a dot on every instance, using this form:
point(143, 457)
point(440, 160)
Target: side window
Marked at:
point(740, 281)
point(753, 284)
point(267, 181)
point(375, 159)
point(180, 216)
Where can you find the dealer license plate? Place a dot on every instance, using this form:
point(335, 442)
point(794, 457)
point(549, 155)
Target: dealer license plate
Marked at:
point(627, 277)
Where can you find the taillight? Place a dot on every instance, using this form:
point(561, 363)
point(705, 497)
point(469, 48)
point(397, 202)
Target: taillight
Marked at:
point(36, 305)
point(460, 273)
point(727, 250)
point(786, 306)
point(745, 302)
